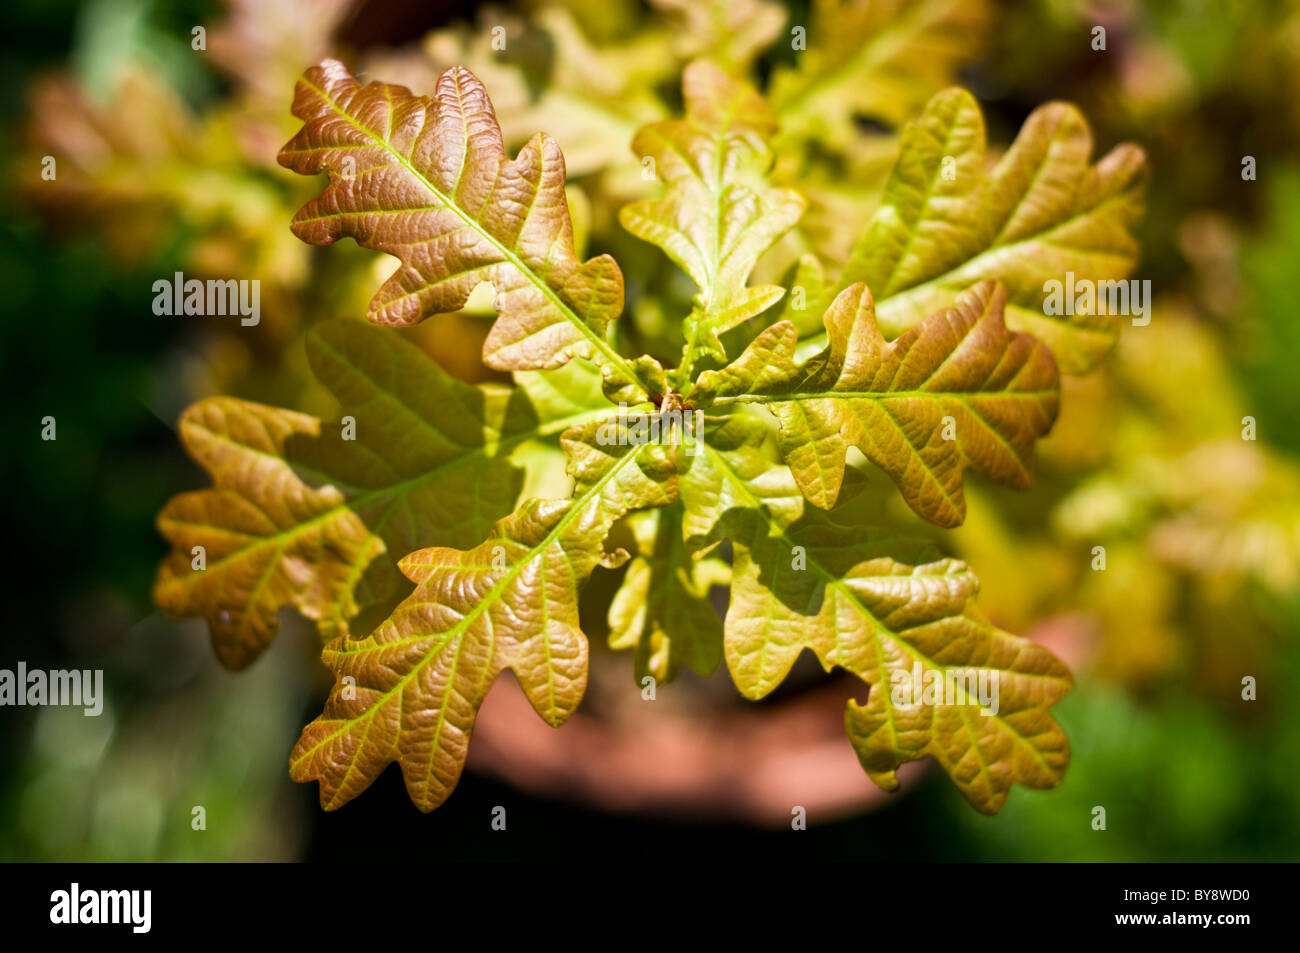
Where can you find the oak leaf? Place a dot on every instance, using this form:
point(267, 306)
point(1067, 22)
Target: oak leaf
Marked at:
point(885, 607)
point(1041, 213)
point(719, 213)
point(427, 180)
point(300, 515)
point(958, 390)
point(411, 690)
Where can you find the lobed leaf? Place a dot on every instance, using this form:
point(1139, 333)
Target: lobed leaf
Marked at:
point(267, 538)
point(428, 181)
point(719, 214)
point(1042, 212)
point(885, 608)
point(300, 516)
point(411, 690)
point(958, 390)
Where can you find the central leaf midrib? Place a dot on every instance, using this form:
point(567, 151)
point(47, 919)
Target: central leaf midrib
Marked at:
point(943, 281)
point(878, 395)
point(397, 490)
point(601, 344)
point(876, 627)
point(574, 511)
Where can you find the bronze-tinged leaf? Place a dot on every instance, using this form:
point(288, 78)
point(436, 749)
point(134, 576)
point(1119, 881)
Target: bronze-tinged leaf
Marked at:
point(958, 390)
point(984, 748)
point(1041, 213)
point(719, 214)
point(885, 607)
point(411, 690)
point(306, 514)
point(261, 538)
point(428, 181)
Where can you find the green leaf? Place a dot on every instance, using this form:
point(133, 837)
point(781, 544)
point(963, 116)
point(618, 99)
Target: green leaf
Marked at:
point(887, 609)
point(428, 181)
point(958, 390)
point(662, 609)
point(719, 214)
point(300, 516)
point(1042, 212)
point(735, 483)
point(411, 690)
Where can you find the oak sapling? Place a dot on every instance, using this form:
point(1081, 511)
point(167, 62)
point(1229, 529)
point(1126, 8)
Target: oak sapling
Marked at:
point(929, 352)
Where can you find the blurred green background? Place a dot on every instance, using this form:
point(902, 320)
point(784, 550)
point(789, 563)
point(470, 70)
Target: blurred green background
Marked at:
point(163, 167)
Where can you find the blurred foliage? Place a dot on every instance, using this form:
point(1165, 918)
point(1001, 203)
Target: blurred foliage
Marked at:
point(166, 163)
point(1177, 780)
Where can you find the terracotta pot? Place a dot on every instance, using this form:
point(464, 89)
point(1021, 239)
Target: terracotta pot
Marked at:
point(698, 750)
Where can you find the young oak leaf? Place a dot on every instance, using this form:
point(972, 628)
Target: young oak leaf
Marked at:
point(897, 624)
point(261, 538)
point(304, 515)
point(719, 213)
point(958, 390)
point(428, 181)
point(1041, 213)
point(411, 690)
point(662, 609)
point(887, 609)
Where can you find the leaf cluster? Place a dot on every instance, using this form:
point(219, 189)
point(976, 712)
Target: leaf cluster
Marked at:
point(413, 531)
